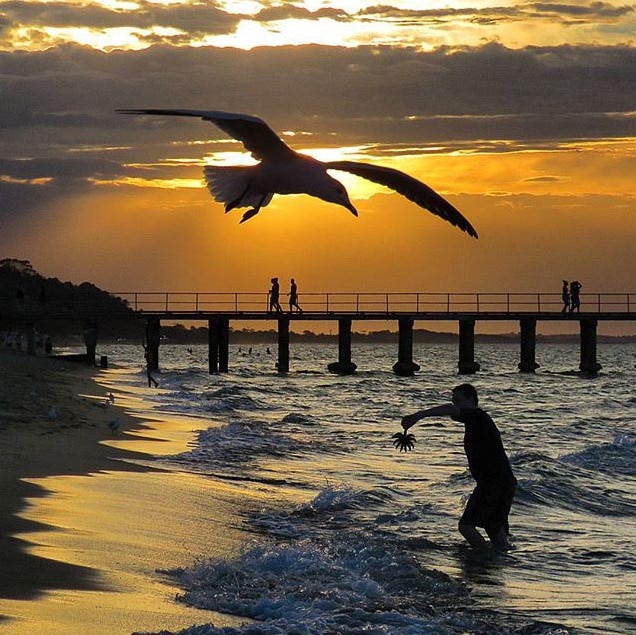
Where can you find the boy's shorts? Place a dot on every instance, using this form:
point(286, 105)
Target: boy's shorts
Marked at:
point(489, 506)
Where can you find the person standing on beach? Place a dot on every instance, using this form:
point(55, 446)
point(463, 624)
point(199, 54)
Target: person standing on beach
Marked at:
point(293, 297)
point(149, 365)
point(489, 504)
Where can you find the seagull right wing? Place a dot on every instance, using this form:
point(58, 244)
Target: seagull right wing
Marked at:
point(255, 135)
point(416, 191)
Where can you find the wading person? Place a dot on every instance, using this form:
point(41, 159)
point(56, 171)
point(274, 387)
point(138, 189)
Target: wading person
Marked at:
point(489, 504)
point(149, 366)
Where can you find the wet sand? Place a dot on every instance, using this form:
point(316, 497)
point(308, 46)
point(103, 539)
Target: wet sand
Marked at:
point(85, 518)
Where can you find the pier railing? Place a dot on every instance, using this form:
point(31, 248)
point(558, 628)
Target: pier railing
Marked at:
point(380, 304)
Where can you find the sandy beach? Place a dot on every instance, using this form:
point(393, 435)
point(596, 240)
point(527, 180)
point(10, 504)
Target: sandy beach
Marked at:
point(85, 520)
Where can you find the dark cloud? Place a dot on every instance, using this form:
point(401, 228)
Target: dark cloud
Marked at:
point(31, 184)
point(200, 17)
point(59, 122)
point(365, 91)
point(598, 10)
point(289, 11)
point(59, 169)
point(592, 12)
point(544, 179)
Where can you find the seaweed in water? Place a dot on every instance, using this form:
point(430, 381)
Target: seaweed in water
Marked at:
point(403, 441)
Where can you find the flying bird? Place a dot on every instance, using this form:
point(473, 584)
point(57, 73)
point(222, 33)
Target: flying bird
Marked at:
point(281, 170)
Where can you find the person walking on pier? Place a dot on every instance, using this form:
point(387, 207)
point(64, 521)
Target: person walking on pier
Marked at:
point(293, 297)
point(490, 502)
point(565, 296)
point(575, 296)
point(274, 297)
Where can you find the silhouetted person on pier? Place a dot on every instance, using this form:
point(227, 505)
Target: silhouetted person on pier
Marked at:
point(565, 296)
point(490, 502)
point(149, 366)
point(575, 296)
point(293, 297)
point(274, 297)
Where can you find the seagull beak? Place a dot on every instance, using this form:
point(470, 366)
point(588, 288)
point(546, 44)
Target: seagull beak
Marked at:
point(350, 207)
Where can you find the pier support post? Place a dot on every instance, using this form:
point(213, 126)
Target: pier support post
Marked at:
point(153, 339)
point(283, 345)
point(467, 364)
point(528, 341)
point(589, 366)
point(213, 345)
point(344, 365)
point(405, 366)
point(90, 340)
point(224, 344)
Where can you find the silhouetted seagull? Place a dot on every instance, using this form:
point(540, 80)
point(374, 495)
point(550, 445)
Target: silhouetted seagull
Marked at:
point(281, 170)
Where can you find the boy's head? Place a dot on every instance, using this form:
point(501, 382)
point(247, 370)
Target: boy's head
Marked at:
point(465, 395)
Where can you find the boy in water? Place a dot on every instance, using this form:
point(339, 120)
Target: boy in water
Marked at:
point(489, 504)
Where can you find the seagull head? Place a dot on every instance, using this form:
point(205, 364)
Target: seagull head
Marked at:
point(332, 191)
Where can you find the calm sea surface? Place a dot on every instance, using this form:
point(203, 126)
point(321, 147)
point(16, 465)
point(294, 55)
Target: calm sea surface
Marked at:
point(370, 543)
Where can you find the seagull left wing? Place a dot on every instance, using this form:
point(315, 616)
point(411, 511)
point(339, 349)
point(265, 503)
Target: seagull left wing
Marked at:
point(409, 187)
point(255, 135)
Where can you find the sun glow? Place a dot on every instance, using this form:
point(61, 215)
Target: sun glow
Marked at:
point(164, 184)
point(103, 39)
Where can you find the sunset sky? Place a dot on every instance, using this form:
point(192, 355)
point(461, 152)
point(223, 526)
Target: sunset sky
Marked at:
point(522, 114)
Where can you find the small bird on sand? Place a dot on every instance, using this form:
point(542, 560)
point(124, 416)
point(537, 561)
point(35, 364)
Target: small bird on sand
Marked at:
point(115, 425)
point(281, 170)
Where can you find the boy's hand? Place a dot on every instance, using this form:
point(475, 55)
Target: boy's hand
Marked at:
point(409, 421)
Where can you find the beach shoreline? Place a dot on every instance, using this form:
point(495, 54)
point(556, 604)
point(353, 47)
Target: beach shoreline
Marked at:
point(85, 519)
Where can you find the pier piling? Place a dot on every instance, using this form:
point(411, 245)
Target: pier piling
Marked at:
point(224, 344)
point(283, 345)
point(405, 366)
point(90, 340)
point(589, 366)
point(344, 365)
point(467, 364)
point(213, 345)
point(218, 345)
point(528, 342)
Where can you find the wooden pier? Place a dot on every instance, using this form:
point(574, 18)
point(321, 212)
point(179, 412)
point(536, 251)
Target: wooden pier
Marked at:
point(218, 309)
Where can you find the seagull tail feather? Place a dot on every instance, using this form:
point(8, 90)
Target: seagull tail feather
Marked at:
point(234, 186)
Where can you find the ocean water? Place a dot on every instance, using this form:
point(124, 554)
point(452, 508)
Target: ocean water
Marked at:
point(370, 544)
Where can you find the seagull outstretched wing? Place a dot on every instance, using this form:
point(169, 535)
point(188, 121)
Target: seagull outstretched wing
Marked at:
point(255, 135)
point(409, 187)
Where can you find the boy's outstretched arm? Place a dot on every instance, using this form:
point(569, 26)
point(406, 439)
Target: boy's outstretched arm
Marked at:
point(446, 410)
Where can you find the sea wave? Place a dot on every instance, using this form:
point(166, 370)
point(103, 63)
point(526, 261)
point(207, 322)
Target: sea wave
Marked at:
point(617, 457)
point(348, 587)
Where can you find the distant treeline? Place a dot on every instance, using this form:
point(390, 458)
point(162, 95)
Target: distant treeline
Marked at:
point(26, 298)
